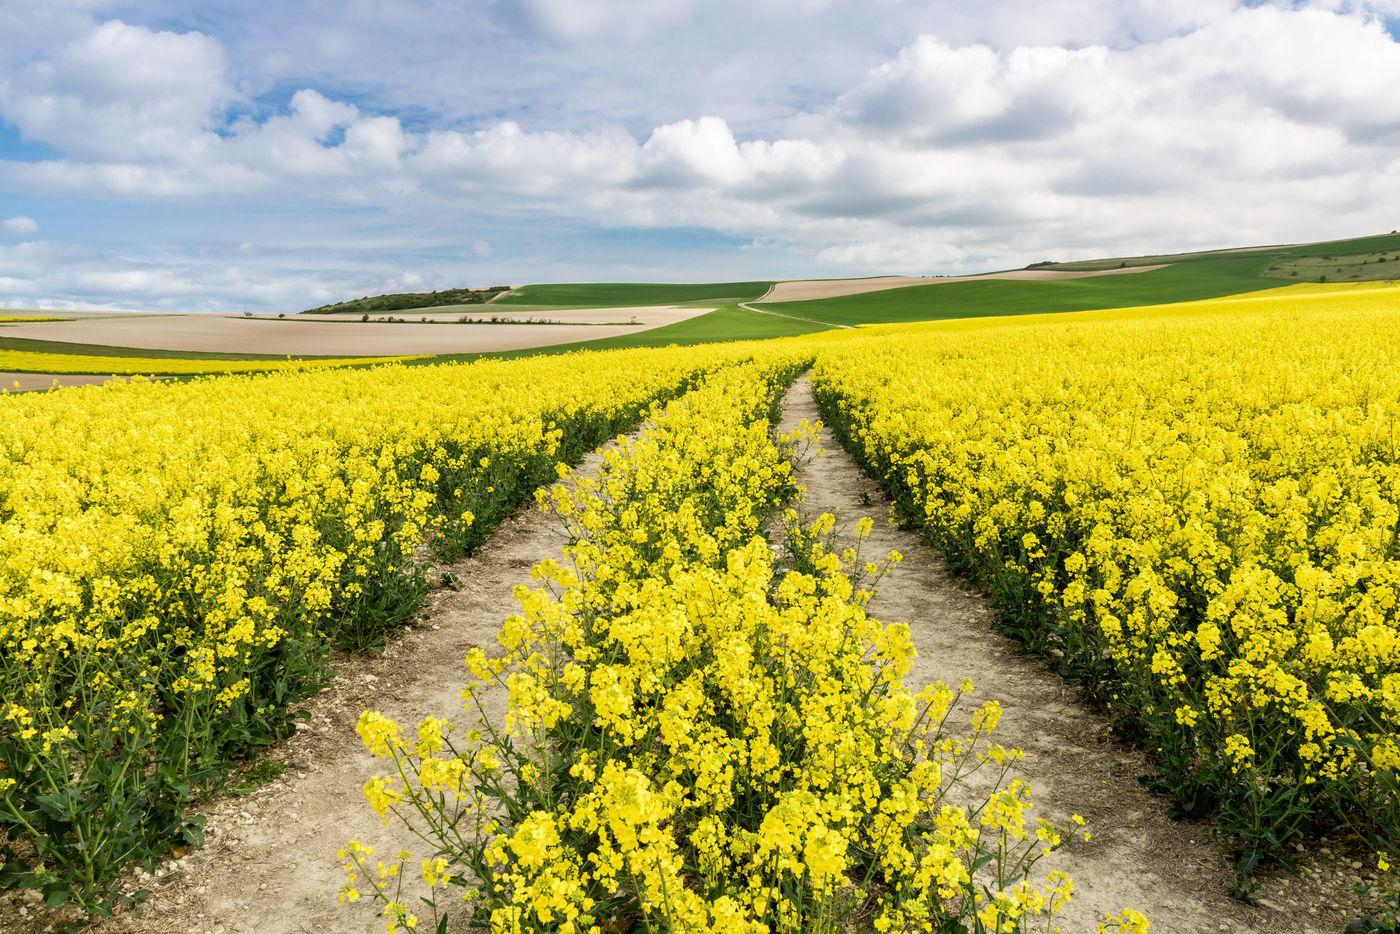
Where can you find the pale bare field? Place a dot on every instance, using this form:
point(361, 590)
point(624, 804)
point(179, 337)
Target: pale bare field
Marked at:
point(801, 290)
point(327, 336)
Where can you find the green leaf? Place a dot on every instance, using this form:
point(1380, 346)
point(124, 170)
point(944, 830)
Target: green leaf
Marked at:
point(58, 805)
point(193, 831)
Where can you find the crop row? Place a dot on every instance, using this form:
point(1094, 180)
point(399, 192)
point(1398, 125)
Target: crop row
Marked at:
point(701, 734)
point(1197, 516)
point(177, 561)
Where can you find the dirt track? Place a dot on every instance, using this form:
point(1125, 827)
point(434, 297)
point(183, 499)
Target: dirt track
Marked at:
point(270, 865)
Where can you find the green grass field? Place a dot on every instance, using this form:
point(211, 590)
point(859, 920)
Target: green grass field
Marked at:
point(726, 323)
point(1383, 242)
point(1373, 266)
point(1224, 275)
point(626, 294)
point(1390, 241)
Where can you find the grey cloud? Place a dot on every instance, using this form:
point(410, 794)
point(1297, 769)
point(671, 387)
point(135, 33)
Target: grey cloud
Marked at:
point(936, 94)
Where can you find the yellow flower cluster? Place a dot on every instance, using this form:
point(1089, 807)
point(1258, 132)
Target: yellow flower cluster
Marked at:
point(1193, 513)
point(701, 736)
point(176, 559)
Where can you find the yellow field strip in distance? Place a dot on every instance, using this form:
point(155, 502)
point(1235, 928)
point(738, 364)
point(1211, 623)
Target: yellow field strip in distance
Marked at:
point(29, 362)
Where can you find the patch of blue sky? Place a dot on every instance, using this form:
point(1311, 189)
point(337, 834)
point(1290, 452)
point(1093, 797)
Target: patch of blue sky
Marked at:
point(57, 218)
point(209, 18)
point(15, 148)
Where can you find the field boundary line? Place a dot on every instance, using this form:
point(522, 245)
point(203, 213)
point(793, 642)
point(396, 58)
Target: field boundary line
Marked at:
point(778, 314)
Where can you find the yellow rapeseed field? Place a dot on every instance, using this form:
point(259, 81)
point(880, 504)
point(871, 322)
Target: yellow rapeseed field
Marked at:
point(1193, 509)
point(702, 736)
point(177, 559)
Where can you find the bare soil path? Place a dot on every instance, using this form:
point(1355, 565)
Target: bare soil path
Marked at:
point(1138, 857)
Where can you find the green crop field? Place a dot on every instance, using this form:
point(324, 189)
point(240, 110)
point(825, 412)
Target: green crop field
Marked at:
point(627, 294)
point(1390, 241)
point(726, 323)
point(1225, 275)
point(1382, 242)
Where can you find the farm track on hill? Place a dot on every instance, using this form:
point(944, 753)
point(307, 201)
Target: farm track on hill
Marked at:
point(270, 864)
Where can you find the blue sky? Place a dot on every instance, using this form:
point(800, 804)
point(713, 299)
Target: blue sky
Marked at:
point(230, 155)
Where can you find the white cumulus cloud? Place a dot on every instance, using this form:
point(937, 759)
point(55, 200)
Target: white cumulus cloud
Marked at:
point(122, 92)
point(964, 143)
point(20, 226)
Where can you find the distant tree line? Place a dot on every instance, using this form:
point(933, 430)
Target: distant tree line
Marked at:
point(404, 300)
